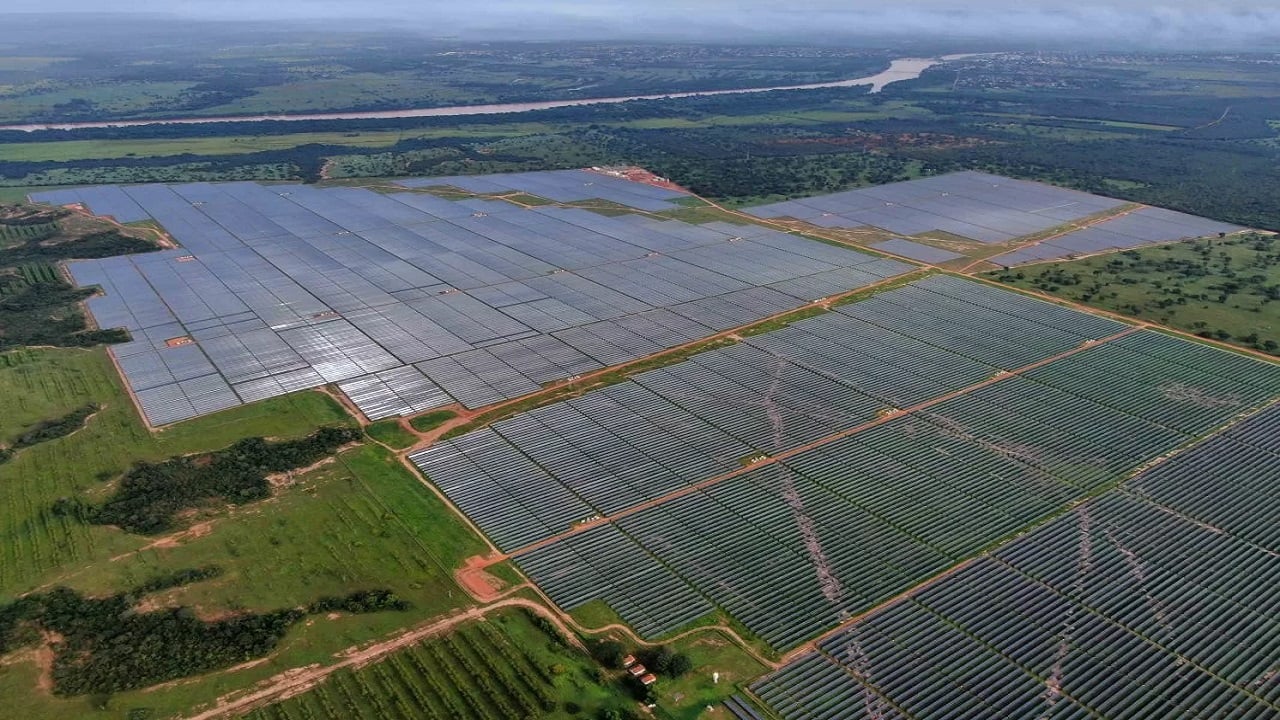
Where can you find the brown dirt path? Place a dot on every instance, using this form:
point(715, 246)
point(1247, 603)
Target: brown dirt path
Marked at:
point(1122, 211)
point(477, 583)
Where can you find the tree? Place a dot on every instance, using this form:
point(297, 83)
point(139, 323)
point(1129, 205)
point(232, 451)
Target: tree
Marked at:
point(680, 665)
point(660, 660)
point(609, 653)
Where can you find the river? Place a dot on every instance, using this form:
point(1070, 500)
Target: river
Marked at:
point(898, 70)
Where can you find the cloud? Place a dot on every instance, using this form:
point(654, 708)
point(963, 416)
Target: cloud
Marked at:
point(1193, 23)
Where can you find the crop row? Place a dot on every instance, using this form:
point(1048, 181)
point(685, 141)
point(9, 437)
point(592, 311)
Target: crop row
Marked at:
point(475, 672)
point(23, 233)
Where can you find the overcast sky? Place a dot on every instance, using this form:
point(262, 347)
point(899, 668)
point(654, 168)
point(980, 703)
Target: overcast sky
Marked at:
point(1193, 22)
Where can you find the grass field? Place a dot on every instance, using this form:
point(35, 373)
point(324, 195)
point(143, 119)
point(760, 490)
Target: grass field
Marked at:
point(358, 521)
point(67, 150)
point(432, 420)
point(235, 145)
point(43, 384)
point(391, 433)
point(720, 668)
point(116, 98)
point(1226, 289)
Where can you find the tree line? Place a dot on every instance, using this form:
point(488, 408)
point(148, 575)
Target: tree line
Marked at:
point(47, 430)
point(105, 645)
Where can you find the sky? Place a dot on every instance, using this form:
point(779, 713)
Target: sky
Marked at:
point(1194, 23)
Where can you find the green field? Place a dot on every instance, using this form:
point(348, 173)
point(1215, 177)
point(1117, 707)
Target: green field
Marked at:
point(360, 521)
point(505, 667)
point(391, 433)
point(42, 384)
point(236, 145)
point(1224, 289)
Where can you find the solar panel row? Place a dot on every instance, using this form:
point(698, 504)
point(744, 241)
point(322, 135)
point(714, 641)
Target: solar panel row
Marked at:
point(1152, 601)
point(562, 186)
point(792, 547)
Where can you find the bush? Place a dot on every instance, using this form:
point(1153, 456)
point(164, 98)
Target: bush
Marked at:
point(665, 661)
point(363, 601)
point(47, 430)
point(177, 578)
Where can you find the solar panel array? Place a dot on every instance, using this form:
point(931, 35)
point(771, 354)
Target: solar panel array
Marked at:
point(858, 514)
point(916, 251)
point(671, 427)
point(982, 207)
point(105, 200)
point(1154, 601)
point(408, 301)
point(562, 186)
point(1143, 226)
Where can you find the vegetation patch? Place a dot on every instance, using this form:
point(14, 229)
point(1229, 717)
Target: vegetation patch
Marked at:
point(20, 224)
point(106, 645)
point(391, 433)
point(47, 430)
point(1225, 289)
point(151, 495)
point(432, 420)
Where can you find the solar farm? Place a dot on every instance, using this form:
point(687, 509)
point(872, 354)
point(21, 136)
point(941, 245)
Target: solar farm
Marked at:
point(992, 210)
point(937, 499)
point(411, 302)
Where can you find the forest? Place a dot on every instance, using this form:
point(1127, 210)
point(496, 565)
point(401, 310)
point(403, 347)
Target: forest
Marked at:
point(1103, 124)
point(113, 69)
